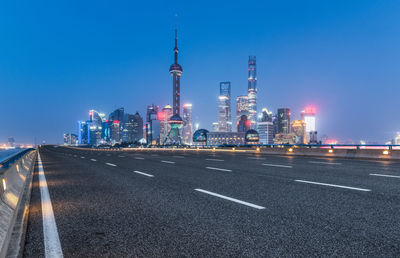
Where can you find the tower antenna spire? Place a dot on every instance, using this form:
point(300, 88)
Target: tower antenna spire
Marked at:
point(176, 38)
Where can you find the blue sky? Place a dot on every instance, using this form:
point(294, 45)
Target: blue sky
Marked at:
point(58, 59)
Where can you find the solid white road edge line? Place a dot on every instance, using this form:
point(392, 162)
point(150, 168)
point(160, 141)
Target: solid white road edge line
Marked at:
point(52, 243)
point(338, 186)
point(231, 199)
point(144, 174)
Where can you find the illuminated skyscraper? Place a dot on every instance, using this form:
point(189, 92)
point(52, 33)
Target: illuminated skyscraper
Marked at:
point(283, 122)
point(242, 108)
point(133, 128)
point(308, 115)
point(164, 116)
point(224, 107)
point(187, 124)
point(265, 127)
point(244, 124)
point(299, 130)
point(152, 125)
point(82, 132)
point(252, 92)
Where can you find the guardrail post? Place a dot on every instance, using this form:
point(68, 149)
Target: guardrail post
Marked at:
point(390, 147)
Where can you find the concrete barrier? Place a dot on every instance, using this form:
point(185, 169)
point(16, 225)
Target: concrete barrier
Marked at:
point(15, 186)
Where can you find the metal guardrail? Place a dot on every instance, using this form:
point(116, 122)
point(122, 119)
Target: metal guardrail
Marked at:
point(5, 164)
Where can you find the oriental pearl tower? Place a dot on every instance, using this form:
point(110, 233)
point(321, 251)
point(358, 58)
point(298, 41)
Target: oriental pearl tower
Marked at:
point(175, 122)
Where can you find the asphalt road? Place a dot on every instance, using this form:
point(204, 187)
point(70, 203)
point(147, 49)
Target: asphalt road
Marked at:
point(222, 204)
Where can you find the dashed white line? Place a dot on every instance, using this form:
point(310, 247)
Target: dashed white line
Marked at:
point(383, 175)
point(52, 243)
point(169, 162)
point(215, 159)
point(219, 169)
point(155, 155)
point(121, 156)
point(338, 186)
point(93, 160)
point(111, 164)
point(82, 157)
point(324, 163)
point(256, 158)
point(231, 199)
point(277, 165)
point(139, 158)
point(179, 157)
point(144, 174)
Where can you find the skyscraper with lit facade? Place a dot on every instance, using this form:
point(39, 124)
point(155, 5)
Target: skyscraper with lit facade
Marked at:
point(224, 107)
point(283, 120)
point(242, 108)
point(187, 130)
point(164, 116)
point(308, 115)
point(252, 91)
point(265, 127)
point(299, 130)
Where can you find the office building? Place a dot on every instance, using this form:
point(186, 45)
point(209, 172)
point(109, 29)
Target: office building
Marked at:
point(224, 107)
point(164, 116)
point(308, 115)
point(242, 108)
point(265, 127)
point(283, 121)
point(244, 124)
point(187, 129)
point(252, 92)
point(299, 130)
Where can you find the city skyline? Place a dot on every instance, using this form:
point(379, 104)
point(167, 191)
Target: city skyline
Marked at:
point(327, 76)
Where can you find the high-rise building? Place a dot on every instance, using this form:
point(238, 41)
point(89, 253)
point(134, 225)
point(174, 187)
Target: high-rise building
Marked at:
point(164, 116)
point(187, 124)
point(11, 142)
point(299, 130)
point(265, 127)
point(82, 132)
point(152, 125)
point(244, 124)
point(133, 128)
point(242, 108)
point(95, 127)
point(283, 120)
point(215, 126)
point(308, 115)
point(224, 107)
point(116, 132)
point(252, 91)
point(70, 139)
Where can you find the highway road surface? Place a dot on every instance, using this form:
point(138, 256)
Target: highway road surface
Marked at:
point(141, 203)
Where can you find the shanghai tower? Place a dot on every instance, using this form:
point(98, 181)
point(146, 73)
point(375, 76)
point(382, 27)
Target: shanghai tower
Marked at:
point(252, 92)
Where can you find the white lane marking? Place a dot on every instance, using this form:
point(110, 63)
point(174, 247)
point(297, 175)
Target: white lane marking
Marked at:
point(339, 186)
point(144, 174)
point(231, 199)
point(93, 160)
point(75, 156)
point(139, 158)
point(276, 165)
point(325, 163)
point(393, 176)
point(52, 243)
point(169, 162)
point(82, 157)
point(256, 158)
point(219, 169)
point(111, 164)
point(180, 157)
point(154, 155)
point(121, 156)
point(215, 159)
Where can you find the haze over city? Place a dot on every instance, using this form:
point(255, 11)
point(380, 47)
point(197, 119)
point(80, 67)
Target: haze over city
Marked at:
point(59, 60)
